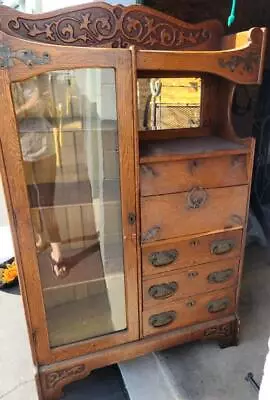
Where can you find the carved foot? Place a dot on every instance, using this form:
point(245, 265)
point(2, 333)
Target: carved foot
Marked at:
point(227, 335)
point(230, 342)
point(233, 338)
point(52, 381)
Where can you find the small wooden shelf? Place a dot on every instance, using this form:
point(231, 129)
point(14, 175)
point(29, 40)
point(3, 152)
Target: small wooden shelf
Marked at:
point(183, 148)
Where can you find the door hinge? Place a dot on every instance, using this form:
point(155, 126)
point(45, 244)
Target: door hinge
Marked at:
point(15, 220)
point(34, 336)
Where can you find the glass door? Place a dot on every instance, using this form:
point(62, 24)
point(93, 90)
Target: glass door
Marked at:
point(75, 138)
point(67, 126)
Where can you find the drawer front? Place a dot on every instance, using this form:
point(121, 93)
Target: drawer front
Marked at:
point(192, 281)
point(169, 255)
point(189, 311)
point(181, 176)
point(197, 211)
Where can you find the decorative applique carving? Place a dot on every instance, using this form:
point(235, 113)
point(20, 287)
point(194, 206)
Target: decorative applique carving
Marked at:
point(248, 61)
point(221, 330)
point(28, 57)
point(53, 378)
point(111, 26)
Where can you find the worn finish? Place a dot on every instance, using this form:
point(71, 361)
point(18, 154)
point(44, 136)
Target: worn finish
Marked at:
point(163, 177)
point(218, 209)
point(200, 279)
point(192, 250)
point(190, 311)
point(184, 203)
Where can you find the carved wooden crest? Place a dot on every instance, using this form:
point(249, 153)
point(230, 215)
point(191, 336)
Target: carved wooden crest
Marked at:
point(104, 25)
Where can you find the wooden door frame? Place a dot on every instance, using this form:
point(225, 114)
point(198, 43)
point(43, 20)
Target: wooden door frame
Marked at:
point(24, 58)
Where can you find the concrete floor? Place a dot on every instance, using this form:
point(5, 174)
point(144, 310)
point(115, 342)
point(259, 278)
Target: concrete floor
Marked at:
point(16, 369)
point(205, 372)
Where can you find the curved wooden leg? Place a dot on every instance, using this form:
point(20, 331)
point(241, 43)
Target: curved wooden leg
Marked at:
point(53, 379)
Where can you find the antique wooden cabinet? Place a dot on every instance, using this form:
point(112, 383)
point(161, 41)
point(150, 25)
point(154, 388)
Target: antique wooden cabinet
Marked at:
point(126, 184)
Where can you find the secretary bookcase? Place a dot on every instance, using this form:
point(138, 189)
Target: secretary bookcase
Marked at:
point(126, 184)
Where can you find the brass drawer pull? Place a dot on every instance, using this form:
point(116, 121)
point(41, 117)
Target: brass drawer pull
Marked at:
point(162, 258)
point(220, 276)
point(191, 303)
point(151, 233)
point(196, 198)
point(162, 319)
point(219, 305)
point(193, 274)
point(163, 291)
point(223, 246)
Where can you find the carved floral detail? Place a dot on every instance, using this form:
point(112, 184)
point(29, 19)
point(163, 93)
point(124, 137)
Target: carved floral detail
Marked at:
point(248, 61)
point(111, 27)
point(53, 378)
point(220, 330)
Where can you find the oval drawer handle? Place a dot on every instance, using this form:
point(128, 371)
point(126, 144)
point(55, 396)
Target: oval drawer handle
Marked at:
point(162, 258)
point(219, 305)
point(196, 198)
point(162, 319)
point(220, 276)
point(151, 233)
point(163, 291)
point(223, 246)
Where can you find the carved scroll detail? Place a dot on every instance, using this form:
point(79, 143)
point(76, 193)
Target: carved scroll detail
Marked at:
point(28, 57)
point(111, 26)
point(220, 330)
point(53, 378)
point(249, 62)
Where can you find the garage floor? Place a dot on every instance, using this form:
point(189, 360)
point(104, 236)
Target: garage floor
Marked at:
point(196, 371)
point(16, 370)
point(203, 371)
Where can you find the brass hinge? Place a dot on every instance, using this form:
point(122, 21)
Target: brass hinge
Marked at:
point(28, 57)
point(34, 336)
point(15, 220)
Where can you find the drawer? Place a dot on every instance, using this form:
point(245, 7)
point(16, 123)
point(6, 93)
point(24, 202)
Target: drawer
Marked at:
point(189, 311)
point(173, 254)
point(181, 176)
point(192, 281)
point(197, 211)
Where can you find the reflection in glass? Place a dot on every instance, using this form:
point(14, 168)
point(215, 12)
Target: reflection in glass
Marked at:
point(68, 134)
point(169, 103)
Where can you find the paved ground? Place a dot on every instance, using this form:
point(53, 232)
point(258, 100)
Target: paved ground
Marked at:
point(16, 370)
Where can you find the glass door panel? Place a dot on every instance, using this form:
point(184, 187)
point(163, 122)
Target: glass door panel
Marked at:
point(67, 124)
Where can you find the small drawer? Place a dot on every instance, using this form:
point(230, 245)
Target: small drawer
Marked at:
point(190, 282)
point(189, 311)
point(170, 255)
point(198, 211)
point(181, 176)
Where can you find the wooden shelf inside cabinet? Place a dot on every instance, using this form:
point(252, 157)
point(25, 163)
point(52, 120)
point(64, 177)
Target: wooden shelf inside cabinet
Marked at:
point(185, 148)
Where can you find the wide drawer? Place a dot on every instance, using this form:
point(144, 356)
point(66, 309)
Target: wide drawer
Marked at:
point(173, 254)
point(189, 311)
point(192, 281)
point(197, 211)
point(181, 176)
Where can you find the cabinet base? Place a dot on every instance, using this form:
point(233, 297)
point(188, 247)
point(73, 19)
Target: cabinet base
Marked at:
point(53, 378)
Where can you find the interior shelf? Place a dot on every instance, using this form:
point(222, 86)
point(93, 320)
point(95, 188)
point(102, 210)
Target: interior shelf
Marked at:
point(155, 150)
